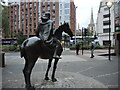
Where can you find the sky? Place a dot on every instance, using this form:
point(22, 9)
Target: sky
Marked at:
point(83, 11)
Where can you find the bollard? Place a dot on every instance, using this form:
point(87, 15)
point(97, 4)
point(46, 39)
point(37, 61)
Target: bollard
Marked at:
point(2, 59)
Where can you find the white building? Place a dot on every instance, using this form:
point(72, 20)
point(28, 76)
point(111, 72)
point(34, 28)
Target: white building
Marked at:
point(102, 25)
point(64, 11)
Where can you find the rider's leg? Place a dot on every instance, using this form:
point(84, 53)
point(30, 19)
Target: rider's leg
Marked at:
point(55, 53)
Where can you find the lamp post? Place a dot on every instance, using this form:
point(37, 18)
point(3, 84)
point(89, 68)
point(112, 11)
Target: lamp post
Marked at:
point(109, 5)
point(75, 25)
point(82, 41)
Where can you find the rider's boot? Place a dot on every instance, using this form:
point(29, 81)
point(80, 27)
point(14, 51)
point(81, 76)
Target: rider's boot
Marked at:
point(55, 56)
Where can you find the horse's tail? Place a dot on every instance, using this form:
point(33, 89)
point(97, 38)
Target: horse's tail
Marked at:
point(22, 48)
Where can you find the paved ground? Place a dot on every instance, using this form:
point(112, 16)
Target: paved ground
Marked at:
point(74, 71)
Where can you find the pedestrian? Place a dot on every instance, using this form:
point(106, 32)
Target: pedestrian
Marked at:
point(92, 47)
point(77, 48)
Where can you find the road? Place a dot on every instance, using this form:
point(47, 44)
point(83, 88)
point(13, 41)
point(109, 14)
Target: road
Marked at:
point(98, 72)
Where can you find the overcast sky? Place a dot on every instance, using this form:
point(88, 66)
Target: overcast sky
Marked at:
point(84, 11)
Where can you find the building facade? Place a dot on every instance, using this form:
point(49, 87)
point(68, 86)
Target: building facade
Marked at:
point(26, 15)
point(52, 7)
point(61, 11)
point(14, 19)
point(102, 25)
point(29, 17)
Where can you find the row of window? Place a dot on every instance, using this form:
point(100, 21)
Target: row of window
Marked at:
point(30, 26)
point(28, 4)
point(31, 15)
point(48, 7)
point(65, 18)
point(66, 11)
point(48, 3)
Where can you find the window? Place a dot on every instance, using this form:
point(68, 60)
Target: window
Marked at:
point(66, 5)
point(26, 5)
point(34, 3)
point(106, 30)
point(67, 18)
point(43, 8)
point(34, 25)
point(26, 10)
point(60, 11)
point(30, 20)
point(22, 5)
point(53, 12)
point(35, 14)
point(31, 15)
point(106, 22)
point(60, 6)
point(26, 22)
point(30, 4)
point(53, 7)
point(60, 18)
point(66, 11)
point(106, 16)
point(43, 2)
point(30, 10)
point(105, 9)
point(48, 7)
point(48, 2)
point(26, 15)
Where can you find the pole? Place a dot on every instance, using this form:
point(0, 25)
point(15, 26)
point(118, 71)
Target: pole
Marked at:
point(82, 41)
point(75, 25)
point(109, 35)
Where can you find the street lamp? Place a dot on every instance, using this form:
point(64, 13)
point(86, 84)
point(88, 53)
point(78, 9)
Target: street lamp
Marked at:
point(75, 24)
point(109, 5)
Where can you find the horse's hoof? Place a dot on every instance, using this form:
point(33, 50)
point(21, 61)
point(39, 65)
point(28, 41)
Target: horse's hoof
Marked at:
point(54, 79)
point(47, 78)
point(30, 88)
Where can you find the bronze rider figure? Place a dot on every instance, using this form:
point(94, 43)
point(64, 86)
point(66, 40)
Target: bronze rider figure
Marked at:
point(46, 33)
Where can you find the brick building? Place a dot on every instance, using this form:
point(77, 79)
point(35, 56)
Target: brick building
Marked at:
point(29, 17)
point(60, 11)
point(53, 8)
point(25, 15)
point(14, 20)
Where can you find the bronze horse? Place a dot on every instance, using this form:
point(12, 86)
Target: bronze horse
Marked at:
point(33, 47)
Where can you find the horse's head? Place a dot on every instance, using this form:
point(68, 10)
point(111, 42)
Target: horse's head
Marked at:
point(66, 29)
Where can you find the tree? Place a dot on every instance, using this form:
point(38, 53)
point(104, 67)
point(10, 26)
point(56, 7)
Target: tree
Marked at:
point(20, 38)
point(5, 22)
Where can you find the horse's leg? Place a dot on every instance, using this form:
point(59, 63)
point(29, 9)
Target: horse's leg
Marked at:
point(54, 69)
point(27, 71)
point(49, 65)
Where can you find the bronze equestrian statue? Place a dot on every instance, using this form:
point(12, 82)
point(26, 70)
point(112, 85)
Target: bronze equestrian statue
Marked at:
point(46, 45)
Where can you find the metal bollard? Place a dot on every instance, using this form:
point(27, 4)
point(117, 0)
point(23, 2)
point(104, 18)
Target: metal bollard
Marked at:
point(2, 59)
